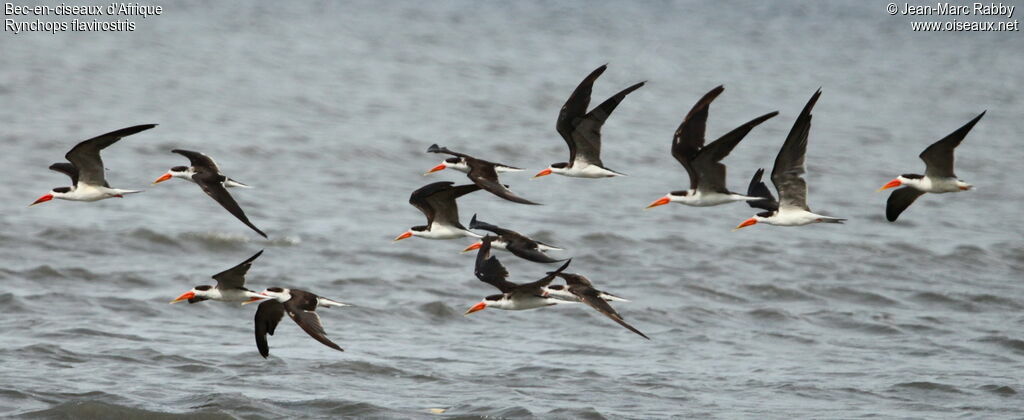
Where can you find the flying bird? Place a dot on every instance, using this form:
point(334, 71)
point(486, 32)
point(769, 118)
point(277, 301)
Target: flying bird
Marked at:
point(702, 163)
point(582, 131)
point(581, 287)
point(230, 286)
point(86, 169)
point(483, 174)
point(300, 306)
point(514, 297)
point(437, 202)
point(205, 173)
point(938, 175)
point(787, 175)
point(518, 244)
point(459, 163)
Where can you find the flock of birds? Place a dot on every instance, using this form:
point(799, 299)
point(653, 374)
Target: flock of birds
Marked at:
point(437, 201)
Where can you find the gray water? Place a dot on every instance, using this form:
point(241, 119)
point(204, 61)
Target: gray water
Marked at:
point(326, 109)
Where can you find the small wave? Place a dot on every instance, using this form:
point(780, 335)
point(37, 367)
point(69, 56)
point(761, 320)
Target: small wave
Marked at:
point(1003, 390)
point(932, 298)
point(439, 310)
point(928, 386)
point(1015, 345)
point(770, 314)
point(855, 296)
point(770, 292)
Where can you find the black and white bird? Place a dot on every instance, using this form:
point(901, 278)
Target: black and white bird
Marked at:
point(513, 297)
point(583, 290)
point(437, 202)
point(459, 163)
point(938, 177)
point(582, 131)
point(230, 286)
point(205, 173)
point(300, 306)
point(787, 175)
point(703, 163)
point(86, 169)
point(483, 174)
point(518, 244)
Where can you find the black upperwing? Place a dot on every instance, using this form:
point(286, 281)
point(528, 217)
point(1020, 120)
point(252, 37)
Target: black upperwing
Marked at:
point(268, 315)
point(234, 277)
point(689, 137)
point(213, 185)
point(489, 270)
point(938, 158)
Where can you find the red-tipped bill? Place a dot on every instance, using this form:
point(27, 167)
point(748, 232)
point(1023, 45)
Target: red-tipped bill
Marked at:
point(545, 172)
point(473, 247)
point(163, 178)
point(746, 223)
point(659, 202)
point(405, 235)
point(892, 184)
point(42, 199)
point(476, 308)
point(184, 296)
point(440, 167)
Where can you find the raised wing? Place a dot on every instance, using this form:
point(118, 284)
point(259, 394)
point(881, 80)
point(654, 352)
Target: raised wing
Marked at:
point(689, 137)
point(268, 315)
point(787, 175)
point(309, 321)
point(434, 148)
point(575, 108)
point(198, 160)
point(484, 175)
point(587, 133)
point(477, 224)
point(489, 270)
point(938, 158)
point(86, 155)
point(592, 297)
point(213, 185)
point(437, 201)
point(534, 288)
point(758, 188)
point(66, 169)
point(712, 172)
point(899, 200)
point(234, 277)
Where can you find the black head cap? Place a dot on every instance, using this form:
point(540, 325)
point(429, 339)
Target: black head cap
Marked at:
point(275, 289)
point(179, 169)
point(560, 165)
point(494, 297)
point(204, 287)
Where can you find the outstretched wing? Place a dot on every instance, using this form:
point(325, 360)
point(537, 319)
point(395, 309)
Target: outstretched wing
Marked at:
point(86, 155)
point(707, 163)
point(66, 169)
point(938, 158)
point(575, 108)
point(268, 315)
point(234, 277)
point(434, 148)
point(787, 175)
point(587, 133)
point(484, 175)
point(309, 321)
point(689, 137)
point(489, 270)
point(899, 200)
point(198, 160)
point(592, 297)
point(758, 188)
point(212, 184)
point(534, 288)
point(478, 224)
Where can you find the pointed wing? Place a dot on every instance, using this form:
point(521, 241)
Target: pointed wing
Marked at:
point(309, 321)
point(478, 224)
point(787, 175)
point(534, 288)
point(899, 200)
point(707, 163)
point(212, 184)
point(689, 137)
point(234, 277)
point(592, 297)
point(758, 188)
point(526, 249)
point(198, 160)
point(268, 315)
point(587, 133)
point(86, 155)
point(575, 108)
point(938, 158)
point(66, 169)
point(437, 201)
point(434, 148)
point(483, 175)
point(489, 270)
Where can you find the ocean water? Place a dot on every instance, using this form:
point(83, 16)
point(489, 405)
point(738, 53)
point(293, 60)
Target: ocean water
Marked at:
point(326, 108)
